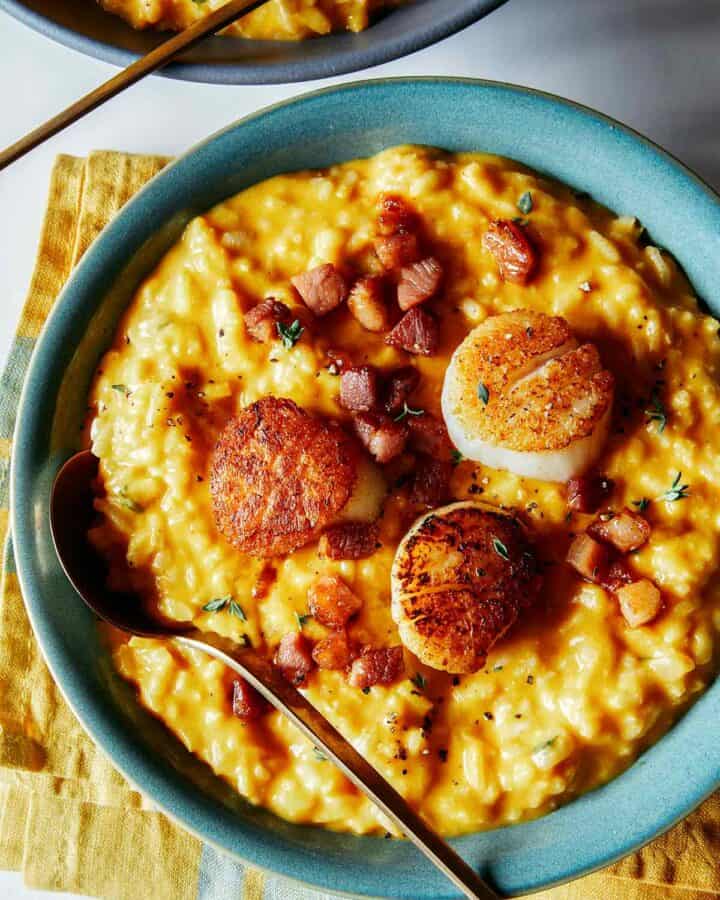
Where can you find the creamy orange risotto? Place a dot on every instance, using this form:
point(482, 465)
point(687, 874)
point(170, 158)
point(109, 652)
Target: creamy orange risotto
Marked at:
point(279, 20)
point(261, 464)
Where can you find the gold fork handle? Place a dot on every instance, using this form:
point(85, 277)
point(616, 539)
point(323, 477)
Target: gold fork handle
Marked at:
point(153, 60)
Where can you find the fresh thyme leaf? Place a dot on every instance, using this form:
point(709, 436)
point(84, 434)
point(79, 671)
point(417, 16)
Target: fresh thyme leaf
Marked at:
point(290, 334)
point(656, 411)
point(237, 610)
point(121, 388)
point(302, 619)
point(419, 680)
point(545, 744)
point(497, 668)
point(457, 457)
point(483, 392)
point(585, 287)
point(216, 605)
point(366, 690)
point(408, 411)
point(128, 502)
point(525, 203)
point(677, 491)
point(319, 755)
point(642, 504)
point(500, 548)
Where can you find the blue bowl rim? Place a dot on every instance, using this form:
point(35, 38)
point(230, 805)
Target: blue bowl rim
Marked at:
point(20, 491)
point(341, 62)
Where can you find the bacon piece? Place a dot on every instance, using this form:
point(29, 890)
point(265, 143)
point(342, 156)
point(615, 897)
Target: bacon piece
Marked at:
point(349, 540)
point(625, 530)
point(332, 602)
point(359, 388)
point(428, 434)
point(418, 282)
point(266, 579)
point(294, 658)
point(417, 332)
point(401, 383)
point(588, 557)
point(377, 666)
point(640, 602)
point(397, 250)
point(322, 288)
point(336, 651)
point(262, 320)
point(384, 438)
point(616, 576)
point(431, 482)
point(587, 493)
point(367, 303)
point(395, 214)
point(247, 704)
point(514, 253)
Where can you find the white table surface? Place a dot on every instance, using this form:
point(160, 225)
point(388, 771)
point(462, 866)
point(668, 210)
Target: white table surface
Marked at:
point(653, 64)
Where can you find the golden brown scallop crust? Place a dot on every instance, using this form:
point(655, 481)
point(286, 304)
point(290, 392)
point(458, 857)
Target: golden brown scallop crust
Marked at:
point(279, 475)
point(541, 391)
point(510, 345)
point(561, 404)
point(454, 591)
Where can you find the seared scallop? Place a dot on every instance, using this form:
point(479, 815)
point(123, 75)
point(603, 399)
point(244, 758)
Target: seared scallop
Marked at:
point(460, 578)
point(520, 394)
point(280, 475)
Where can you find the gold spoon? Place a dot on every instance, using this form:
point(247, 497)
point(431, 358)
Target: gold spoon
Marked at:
point(155, 59)
point(71, 515)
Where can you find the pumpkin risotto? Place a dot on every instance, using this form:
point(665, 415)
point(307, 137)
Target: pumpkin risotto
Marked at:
point(275, 466)
point(288, 20)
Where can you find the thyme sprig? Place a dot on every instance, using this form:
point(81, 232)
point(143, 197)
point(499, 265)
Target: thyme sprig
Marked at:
point(408, 411)
point(218, 604)
point(419, 680)
point(676, 491)
point(290, 334)
point(525, 203)
point(500, 548)
point(656, 412)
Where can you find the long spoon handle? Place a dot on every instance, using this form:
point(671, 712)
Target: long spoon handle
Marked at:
point(155, 59)
point(270, 683)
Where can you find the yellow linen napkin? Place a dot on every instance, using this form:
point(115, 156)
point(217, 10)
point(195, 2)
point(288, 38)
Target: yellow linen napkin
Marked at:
point(68, 820)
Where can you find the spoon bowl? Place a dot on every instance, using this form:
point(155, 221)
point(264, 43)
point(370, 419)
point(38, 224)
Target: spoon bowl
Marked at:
point(71, 517)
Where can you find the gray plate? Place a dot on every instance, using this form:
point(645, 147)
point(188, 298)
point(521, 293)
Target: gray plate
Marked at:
point(83, 25)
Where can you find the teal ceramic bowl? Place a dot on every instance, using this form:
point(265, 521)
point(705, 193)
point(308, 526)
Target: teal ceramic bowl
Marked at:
point(580, 147)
